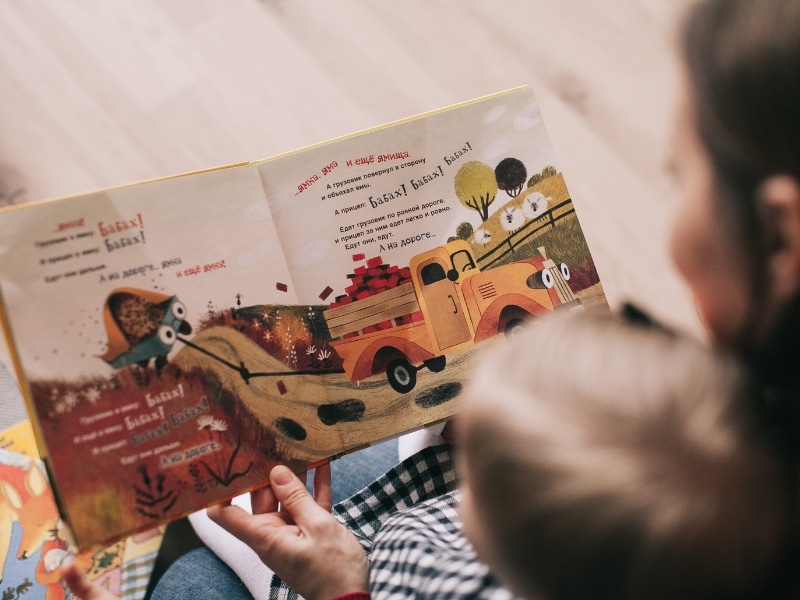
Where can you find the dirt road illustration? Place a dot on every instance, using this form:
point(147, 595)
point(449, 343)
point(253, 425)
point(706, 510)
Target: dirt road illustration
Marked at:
point(316, 416)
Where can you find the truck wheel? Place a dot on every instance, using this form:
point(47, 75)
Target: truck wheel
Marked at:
point(402, 375)
point(437, 364)
point(513, 328)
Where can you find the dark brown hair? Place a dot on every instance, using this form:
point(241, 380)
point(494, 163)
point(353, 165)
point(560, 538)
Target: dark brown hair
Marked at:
point(742, 59)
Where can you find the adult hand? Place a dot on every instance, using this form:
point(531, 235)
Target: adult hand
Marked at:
point(82, 587)
point(296, 536)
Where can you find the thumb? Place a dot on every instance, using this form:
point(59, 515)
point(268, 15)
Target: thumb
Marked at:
point(293, 495)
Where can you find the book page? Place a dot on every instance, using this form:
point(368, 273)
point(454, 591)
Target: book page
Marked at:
point(390, 192)
point(415, 241)
point(123, 306)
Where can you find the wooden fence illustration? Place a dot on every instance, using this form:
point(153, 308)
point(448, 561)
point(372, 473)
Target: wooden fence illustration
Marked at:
point(529, 229)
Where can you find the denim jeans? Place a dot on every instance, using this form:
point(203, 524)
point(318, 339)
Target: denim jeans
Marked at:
point(201, 574)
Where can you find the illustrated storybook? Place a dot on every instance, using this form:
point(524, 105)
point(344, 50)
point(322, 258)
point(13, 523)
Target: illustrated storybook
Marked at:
point(177, 338)
point(33, 544)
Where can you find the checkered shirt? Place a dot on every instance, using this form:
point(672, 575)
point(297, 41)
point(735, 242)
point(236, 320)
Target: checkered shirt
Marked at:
point(408, 525)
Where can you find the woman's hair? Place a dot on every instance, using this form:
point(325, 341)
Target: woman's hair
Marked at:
point(742, 60)
point(609, 459)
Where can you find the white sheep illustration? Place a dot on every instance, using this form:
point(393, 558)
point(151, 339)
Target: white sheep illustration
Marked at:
point(511, 218)
point(482, 236)
point(535, 204)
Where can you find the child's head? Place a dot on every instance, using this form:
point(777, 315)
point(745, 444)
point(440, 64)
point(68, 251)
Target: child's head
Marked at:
point(736, 157)
point(605, 459)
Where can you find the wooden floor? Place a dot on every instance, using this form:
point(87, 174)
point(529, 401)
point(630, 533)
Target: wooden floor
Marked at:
point(98, 93)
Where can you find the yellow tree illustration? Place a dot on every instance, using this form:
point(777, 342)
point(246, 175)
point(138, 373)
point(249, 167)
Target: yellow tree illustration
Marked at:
point(476, 187)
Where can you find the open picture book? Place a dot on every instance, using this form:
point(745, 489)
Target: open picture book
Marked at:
point(177, 338)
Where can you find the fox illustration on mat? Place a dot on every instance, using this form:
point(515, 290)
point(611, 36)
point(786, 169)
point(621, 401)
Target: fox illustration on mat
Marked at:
point(26, 499)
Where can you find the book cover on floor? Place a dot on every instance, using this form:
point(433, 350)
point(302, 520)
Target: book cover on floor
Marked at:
point(177, 338)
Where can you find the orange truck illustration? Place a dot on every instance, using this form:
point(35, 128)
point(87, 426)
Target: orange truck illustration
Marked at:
point(447, 304)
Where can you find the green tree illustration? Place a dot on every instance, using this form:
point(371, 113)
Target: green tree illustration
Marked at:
point(476, 187)
point(548, 171)
point(464, 230)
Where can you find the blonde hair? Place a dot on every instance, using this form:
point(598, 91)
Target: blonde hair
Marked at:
point(608, 459)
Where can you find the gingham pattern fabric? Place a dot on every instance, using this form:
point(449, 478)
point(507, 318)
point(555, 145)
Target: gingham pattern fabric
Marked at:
point(408, 525)
point(136, 575)
point(421, 553)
